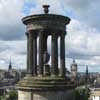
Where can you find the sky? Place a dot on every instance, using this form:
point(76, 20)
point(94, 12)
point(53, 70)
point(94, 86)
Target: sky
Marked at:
point(83, 32)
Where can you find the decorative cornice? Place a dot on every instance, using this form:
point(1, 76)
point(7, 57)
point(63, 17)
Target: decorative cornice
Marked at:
point(32, 18)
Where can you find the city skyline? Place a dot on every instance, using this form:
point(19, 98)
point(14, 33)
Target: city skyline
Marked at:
point(82, 40)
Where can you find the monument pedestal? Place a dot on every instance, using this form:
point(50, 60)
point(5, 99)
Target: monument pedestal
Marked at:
point(56, 95)
point(45, 88)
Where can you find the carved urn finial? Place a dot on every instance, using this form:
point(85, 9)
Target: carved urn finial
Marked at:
point(46, 10)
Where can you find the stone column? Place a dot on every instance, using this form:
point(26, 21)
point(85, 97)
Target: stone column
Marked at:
point(41, 53)
point(62, 55)
point(45, 42)
point(45, 48)
point(34, 54)
point(31, 53)
point(28, 69)
point(54, 55)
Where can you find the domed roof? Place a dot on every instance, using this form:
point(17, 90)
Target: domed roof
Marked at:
point(74, 63)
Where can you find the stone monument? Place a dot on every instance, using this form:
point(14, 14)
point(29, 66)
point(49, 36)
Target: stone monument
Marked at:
point(44, 81)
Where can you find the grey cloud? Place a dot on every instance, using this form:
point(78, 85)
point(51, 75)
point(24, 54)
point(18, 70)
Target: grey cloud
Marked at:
point(86, 10)
point(81, 54)
point(21, 52)
point(77, 55)
point(15, 32)
point(11, 27)
point(14, 49)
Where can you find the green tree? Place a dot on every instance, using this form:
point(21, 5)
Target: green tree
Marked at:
point(13, 95)
point(0, 97)
point(82, 94)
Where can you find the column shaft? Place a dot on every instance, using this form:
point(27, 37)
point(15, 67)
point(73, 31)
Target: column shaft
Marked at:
point(31, 53)
point(54, 55)
point(62, 55)
point(45, 43)
point(35, 54)
point(44, 49)
point(40, 53)
point(28, 69)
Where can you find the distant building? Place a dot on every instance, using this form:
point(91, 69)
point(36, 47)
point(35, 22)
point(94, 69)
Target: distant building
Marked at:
point(95, 91)
point(88, 80)
point(11, 73)
point(8, 79)
point(74, 71)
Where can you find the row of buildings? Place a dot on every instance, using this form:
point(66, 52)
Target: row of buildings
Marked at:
point(9, 78)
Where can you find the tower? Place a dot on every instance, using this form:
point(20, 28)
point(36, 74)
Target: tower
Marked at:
point(86, 76)
point(10, 65)
point(74, 69)
point(50, 83)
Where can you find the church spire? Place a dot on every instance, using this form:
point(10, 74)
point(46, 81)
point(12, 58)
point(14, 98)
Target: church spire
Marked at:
point(73, 60)
point(10, 64)
point(86, 70)
point(86, 76)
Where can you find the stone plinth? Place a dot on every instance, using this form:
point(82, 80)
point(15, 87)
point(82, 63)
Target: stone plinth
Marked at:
point(24, 95)
point(47, 83)
point(49, 95)
point(45, 88)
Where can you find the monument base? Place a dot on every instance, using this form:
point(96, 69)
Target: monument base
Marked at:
point(45, 88)
point(54, 95)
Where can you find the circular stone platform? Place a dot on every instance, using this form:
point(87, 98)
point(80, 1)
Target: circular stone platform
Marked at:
point(44, 83)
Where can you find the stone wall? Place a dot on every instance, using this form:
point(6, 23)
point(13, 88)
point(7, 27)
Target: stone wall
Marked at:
point(58, 95)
